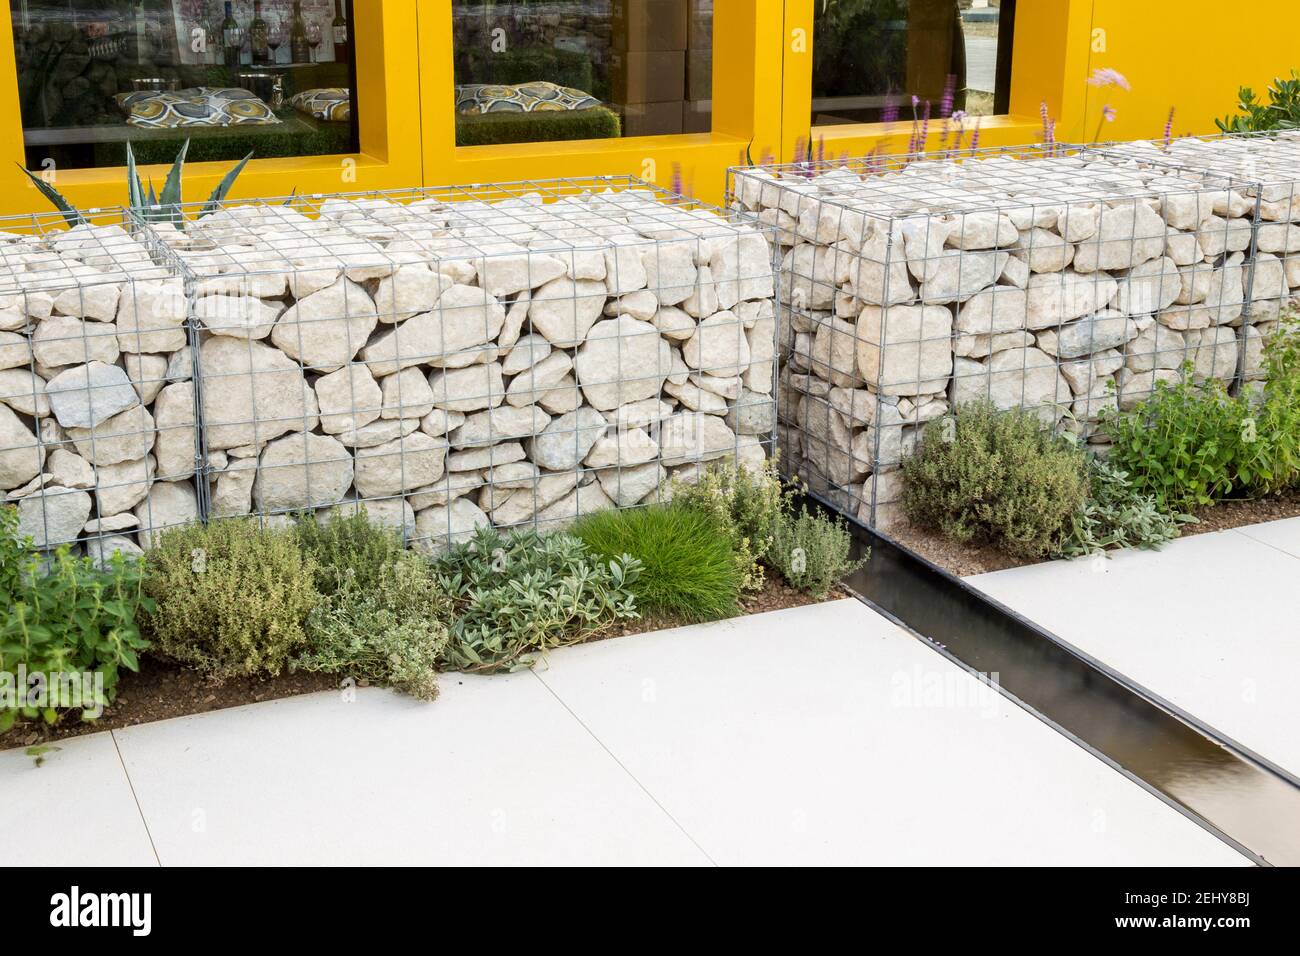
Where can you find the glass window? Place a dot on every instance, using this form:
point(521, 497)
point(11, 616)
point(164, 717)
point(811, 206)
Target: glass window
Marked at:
point(271, 77)
point(582, 69)
point(870, 57)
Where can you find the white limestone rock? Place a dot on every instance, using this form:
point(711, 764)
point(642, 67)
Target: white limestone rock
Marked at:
point(252, 392)
point(85, 395)
point(564, 310)
point(24, 391)
point(302, 470)
point(62, 340)
point(349, 399)
point(52, 518)
point(21, 455)
point(238, 316)
point(169, 504)
point(399, 466)
point(567, 440)
point(622, 360)
point(327, 329)
point(905, 350)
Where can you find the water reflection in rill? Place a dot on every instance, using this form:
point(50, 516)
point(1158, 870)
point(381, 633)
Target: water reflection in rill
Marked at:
point(1241, 797)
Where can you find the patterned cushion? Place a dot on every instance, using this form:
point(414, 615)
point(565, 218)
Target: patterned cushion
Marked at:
point(532, 97)
point(330, 104)
point(197, 106)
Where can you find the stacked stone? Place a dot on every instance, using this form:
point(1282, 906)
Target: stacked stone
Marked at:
point(450, 364)
point(97, 427)
point(1064, 283)
point(1264, 174)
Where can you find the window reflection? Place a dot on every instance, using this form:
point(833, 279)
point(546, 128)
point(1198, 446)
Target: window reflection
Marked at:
point(586, 69)
point(274, 77)
point(870, 57)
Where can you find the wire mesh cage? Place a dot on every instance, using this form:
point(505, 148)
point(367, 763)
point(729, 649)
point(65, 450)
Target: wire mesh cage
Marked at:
point(97, 425)
point(1266, 169)
point(1056, 279)
point(505, 354)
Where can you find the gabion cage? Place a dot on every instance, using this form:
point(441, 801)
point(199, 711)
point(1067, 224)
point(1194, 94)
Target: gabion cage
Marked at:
point(1266, 201)
point(1057, 279)
point(97, 424)
point(505, 354)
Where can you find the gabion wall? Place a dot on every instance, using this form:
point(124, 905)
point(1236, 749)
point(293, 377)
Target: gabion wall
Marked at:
point(508, 354)
point(1267, 171)
point(1065, 281)
point(97, 426)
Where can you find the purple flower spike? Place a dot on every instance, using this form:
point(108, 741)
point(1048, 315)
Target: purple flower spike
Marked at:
point(949, 95)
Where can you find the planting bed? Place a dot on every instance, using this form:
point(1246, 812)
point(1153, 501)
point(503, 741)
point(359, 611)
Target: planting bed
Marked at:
point(163, 690)
point(1067, 282)
point(963, 560)
point(506, 354)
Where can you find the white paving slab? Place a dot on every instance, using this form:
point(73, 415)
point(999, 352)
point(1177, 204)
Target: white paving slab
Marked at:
point(493, 772)
point(1210, 623)
point(76, 809)
point(1283, 535)
point(826, 735)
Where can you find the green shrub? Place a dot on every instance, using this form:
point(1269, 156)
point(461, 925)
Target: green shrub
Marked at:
point(1117, 515)
point(389, 629)
point(1281, 112)
point(988, 476)
point(747, 504)
point(1192, 444)
point(347, 550)
point(1271, 428)
point(1185, 444)
point(231, 597)
point(688, 570)
point(812, 552)
point(66, 616)
point(518, 595)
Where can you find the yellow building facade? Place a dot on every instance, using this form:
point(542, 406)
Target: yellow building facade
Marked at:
point(762, 95)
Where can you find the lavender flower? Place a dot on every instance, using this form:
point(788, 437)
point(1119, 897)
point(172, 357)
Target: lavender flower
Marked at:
point(949, 95)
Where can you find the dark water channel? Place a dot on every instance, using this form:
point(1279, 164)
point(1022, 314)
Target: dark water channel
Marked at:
point(1242, 798)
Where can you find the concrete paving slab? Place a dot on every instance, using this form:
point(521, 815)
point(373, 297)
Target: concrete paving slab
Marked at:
point(493, 772)
point(76, 809)
point(827, 735)
point(1209, 623)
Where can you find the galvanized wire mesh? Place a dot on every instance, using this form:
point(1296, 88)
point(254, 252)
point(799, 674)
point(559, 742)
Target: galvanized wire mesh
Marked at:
point(97, 425)
point(1266, 167)
point(1059, 279)
point(514, 353)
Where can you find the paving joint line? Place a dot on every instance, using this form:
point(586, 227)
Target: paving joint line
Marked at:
point(135, 797)
point(622, 766)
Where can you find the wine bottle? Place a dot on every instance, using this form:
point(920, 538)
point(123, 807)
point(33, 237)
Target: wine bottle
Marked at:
point(259, 35)
point(299, 48)
point(340, 30)
point(231, 38)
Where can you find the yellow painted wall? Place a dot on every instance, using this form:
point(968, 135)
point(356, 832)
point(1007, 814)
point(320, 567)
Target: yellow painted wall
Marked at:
point(1188, 54)
point(1191, 54)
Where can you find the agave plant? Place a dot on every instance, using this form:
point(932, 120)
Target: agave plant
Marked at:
point(151, 206)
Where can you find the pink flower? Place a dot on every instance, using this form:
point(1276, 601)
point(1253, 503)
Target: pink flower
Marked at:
point(1108, 77)
point(1108, 113)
